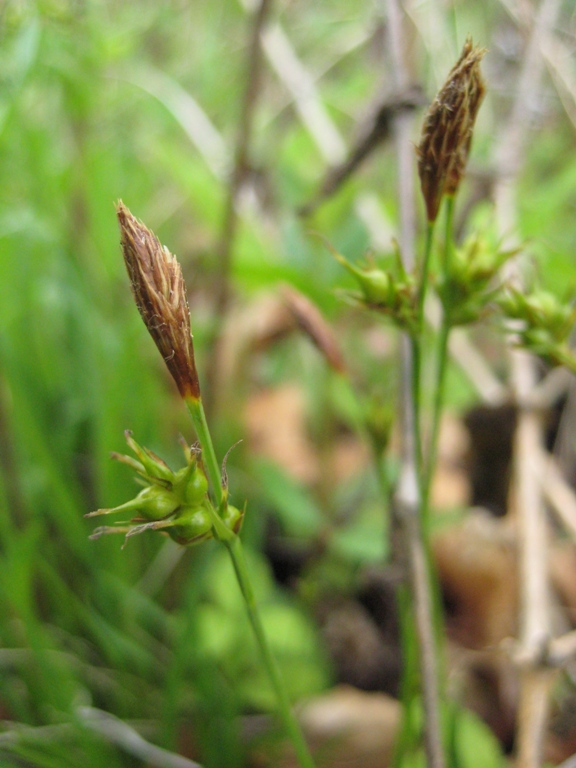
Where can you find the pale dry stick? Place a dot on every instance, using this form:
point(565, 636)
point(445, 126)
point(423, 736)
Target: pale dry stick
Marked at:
point(555, 385)
point(532, 535)
point(188, 112)
point(558, 59)
point(122, 735)
point(569, 763)
point(534, 603)
point(558, 492)
point(533, 711)
point(562, 650)
point(408, 501)
point(564, 450)
point(300, 84)
point(109, 727)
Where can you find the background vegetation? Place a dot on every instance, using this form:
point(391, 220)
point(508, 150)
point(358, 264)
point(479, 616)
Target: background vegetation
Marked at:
point(141, 101)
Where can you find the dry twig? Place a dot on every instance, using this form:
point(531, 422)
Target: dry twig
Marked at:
point(122, 735)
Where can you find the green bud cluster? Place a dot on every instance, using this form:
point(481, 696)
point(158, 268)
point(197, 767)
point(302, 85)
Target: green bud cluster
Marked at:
point(390, 292)
point(175, 502)
point(543, 322)
point(469, 283)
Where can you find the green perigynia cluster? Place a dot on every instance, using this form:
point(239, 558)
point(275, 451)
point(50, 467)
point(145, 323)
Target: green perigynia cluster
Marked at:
point(470, 281)
point(175, 502)
point(542, 324)
point(391, 292)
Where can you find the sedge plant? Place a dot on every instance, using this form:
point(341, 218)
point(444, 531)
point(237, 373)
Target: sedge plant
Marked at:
point(468, 282)
point(191, 505)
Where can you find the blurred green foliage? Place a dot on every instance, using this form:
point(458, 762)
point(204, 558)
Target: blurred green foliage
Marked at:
point(94, 106)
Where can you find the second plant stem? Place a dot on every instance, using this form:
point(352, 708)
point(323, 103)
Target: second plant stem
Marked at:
point(293, 730)
point(441, 367)
point(426, 461)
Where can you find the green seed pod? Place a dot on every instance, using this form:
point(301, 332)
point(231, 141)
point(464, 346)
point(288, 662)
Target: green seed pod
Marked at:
point(191, 526)
point(154, 467)
point(156, 502)
point(376, 285)
point(233, 517)
point(538, 340)
point(546, 311)
point(511, 304)
point(152, 503)
point(190, 484)
point(196, 488)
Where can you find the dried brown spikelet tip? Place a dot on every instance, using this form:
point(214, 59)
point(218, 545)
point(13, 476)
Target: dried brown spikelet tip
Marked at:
point(447, 130)
point(160, 294)
point(310, 320)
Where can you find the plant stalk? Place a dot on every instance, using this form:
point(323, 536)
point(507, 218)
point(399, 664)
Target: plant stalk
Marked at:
point(196, 411)
point(236, 552)
point(233, 544)
point(417, 341)
point(425, 272)
point(441, 367)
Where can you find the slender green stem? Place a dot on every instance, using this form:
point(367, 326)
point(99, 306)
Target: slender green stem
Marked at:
point(416, 343)
point(424, 273)
point(196, 410)
point(428, 470)
point(417, 338)
point(234, 546)
point(291, 725)
point(441, 366)
point(413, 676)
point(408, 734)
point(448, 234)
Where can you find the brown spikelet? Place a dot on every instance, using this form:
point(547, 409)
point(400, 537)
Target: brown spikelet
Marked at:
point(160, 294)
point(315, 327)
point(447, 130)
